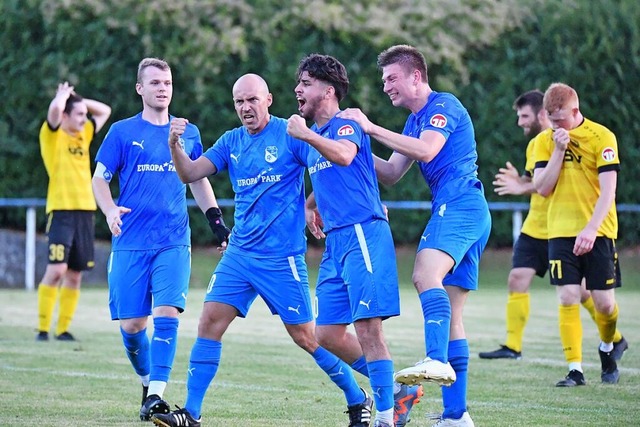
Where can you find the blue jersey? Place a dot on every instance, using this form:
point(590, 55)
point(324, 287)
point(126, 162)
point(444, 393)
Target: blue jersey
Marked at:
point(267, 176)
point(345, 195)
point(454, 170)
point(138, 153)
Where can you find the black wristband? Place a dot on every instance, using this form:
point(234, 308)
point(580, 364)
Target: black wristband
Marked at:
point(216, 223)
point(213, 213)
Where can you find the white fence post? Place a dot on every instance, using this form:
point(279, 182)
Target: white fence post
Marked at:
point(31, 204)
point(30, 250)
point(516, 221)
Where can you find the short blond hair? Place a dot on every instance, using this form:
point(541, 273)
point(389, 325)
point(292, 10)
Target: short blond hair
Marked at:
point(560, 96)
point(151, 62)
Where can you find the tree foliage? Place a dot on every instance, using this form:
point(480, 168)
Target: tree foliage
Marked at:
point(592, 46)
point(482, 50)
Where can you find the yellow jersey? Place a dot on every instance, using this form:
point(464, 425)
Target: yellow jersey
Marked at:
point(66, 158)
point(535, 224)
point(592, 149)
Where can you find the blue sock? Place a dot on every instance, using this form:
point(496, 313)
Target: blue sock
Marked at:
point(137, 348)
point(360, 365)
point(163, 347)
point(436, 310)
point(454, 398)
point(381, 380)
point(203, 366)
point(341, 374)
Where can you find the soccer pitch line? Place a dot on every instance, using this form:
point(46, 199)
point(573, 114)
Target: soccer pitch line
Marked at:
point(594, 366)
point(132, 378)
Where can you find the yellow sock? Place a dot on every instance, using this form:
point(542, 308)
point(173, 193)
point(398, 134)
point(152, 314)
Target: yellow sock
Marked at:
point(68, 303)
point(570, 332)
point(517, 316)
point(47, 296)
point(607, 325)
point(617, 336)
point(590, 307)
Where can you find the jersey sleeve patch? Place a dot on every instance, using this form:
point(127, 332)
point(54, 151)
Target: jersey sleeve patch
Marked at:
point(438, 121)
point(346, 130)
point(608, 154)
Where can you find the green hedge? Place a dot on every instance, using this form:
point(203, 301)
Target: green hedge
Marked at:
point(594, 47)
point(484, 51)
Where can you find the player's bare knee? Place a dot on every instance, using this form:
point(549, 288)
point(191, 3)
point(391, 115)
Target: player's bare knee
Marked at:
point(423, 283)
point(133, 326)
point(568, 294)
point(212, 326)
point(606, 306)
point(520, 280)
point(304, 338)
point(54, 273)
point(324, 338)
point(369, 332)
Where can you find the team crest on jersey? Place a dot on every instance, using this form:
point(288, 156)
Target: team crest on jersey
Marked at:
point(346, 130)
point(608, 154)
point(271, 153)
point(438, 121)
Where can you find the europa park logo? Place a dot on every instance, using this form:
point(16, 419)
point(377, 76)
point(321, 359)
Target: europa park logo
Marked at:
point(438, 121)
point(608, 154)
point(346, 130)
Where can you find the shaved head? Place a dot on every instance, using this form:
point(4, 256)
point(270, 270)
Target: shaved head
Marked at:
point(252, 83)
point(251, 99)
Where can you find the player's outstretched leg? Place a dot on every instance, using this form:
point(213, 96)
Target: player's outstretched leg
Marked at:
point(436, 311)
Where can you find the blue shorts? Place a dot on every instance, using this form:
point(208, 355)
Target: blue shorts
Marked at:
point(138, 279)
point(282, 283)
point(460, 229)
point(358, 276)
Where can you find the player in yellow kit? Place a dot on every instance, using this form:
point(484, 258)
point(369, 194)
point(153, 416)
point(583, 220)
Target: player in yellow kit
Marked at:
point(531, 250)
point(65, 137)
point(577, 166)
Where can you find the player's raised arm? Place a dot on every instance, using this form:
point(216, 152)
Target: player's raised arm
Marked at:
point(188, 170)
point(99, 111)
point(57, 104)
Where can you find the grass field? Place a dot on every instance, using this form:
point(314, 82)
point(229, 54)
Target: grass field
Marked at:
point(265, 380)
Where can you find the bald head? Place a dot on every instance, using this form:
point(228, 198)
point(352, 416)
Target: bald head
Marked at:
point(250, 83)
point(251, 99)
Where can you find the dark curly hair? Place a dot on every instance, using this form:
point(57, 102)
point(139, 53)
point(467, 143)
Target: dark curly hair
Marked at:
point(327, 69)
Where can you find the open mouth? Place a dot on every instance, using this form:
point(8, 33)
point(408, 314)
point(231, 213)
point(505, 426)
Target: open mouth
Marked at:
point(301, 103)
